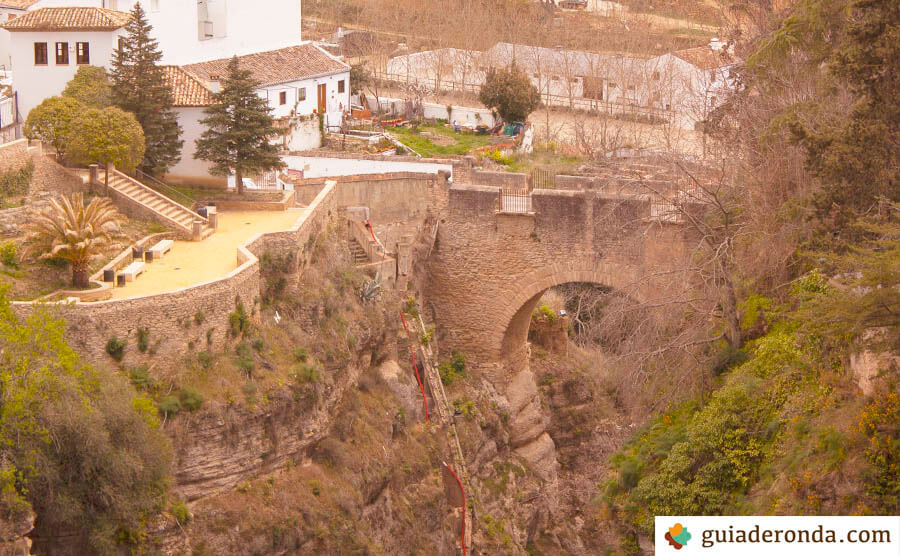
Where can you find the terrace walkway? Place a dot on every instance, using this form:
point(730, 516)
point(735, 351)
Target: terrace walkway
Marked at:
point(194, 262)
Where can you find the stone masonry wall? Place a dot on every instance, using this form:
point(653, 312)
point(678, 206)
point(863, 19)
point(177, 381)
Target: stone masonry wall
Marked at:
point(14, 155)
point(489, 269)
point(169, 317)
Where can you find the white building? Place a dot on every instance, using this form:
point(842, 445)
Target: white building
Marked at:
point(683, 86)
point(49, 44)
point(54, 37)
point(299, 80)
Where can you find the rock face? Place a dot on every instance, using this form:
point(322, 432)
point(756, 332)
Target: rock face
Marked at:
point(221, 446)
point(13, 541)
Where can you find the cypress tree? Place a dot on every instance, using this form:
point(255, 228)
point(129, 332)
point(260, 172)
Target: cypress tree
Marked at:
point(140, 87)
point(239, 127)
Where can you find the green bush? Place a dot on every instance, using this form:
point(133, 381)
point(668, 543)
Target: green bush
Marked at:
point(199, 317)
point(141, 379)
point(143, 339)
point(239, 320)
point(301, 354)
point(9, 254)
point(191, 399)
point(16, 182)
point(245, 361)
point(454, 369)
point(116, 348)
point(180, 512)
point(169, 406)
point(205, 359)
point(258, 344)
point(305, 374)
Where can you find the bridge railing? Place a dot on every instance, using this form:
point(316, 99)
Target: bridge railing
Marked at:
point(515, 201)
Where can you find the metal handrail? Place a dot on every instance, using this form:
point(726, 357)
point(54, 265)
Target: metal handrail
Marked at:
point(163, 188)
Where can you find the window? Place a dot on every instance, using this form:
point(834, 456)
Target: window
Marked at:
point(341, 86)
point(282, 98)
point(62, 54)
point(656, 76)
point(554, 77)
point(536, 75)
point(82, 53)
point(712, 75)
point(40, 54)
point(573, 80)
point(301, 93)
point(612, 85)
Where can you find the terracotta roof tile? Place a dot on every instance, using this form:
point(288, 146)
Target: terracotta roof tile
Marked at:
point(705, 57)
point(187, 90)
point(276, 66)
point(68, 19)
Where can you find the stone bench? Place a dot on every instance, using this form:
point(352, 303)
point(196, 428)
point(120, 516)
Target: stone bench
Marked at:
point(161, 248)
point(132, 271)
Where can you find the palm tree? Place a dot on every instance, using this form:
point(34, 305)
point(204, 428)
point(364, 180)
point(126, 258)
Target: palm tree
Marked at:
point(70, 231)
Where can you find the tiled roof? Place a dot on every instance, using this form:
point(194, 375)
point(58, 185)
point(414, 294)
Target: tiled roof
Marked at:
point(704, 57)
point(276, 66)
point(187, 90)
point(68, 19)
point(18, 4)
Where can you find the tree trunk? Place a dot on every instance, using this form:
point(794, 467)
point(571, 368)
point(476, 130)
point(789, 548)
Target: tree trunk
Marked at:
point(80, 275)
point(239, 181)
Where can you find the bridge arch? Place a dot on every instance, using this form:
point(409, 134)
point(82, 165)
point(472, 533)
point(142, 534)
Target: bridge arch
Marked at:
point(514, 317)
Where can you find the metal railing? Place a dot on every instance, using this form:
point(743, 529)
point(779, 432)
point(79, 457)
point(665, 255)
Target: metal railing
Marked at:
point(515, 201)
point(164, 188)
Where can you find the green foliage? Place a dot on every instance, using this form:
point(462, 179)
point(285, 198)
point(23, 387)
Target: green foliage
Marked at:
point(90, 87)
point(9, 254)
point(305, 374)
point(239, 321)
point(52, 121)
point(880, 423)
point(301, 354)
point(143, 339)
point(499, 157)
point(753, 310)
point(190, 399)
point(68, 432)
point(360, 76)
point(454, 369)
point(412, 307)
point(142, 380)
point(257, 344)
point(199, 317)
point(116, 348)
point(169, 406)
point(107, 135)
point(16, 182)
point(510, 92)
point(205, 359)
point(244, 360)
point(544, 312)
point(427, 336)
point(180, 512)
point(140, 87)
point(239, 129)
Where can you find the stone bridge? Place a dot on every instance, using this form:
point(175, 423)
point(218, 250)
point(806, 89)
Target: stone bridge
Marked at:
point(489, 268)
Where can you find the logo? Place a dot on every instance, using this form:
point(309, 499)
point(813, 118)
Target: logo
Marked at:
point(678, 536)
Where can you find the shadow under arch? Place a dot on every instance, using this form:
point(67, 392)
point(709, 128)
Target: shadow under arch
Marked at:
point(515, 317)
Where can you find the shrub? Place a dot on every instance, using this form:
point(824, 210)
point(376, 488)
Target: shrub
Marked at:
point(205, 359)
point(9, 254)
point(116, 348)
point(143, 337)
point(180, 512)
point(305, 374)
point(454, 369)
point(16, 182)
point(191, 399)
point(499, 157)
point(141, 379)
point(169, 406)
point(245, 358)
point(239, 320)
point(258, 344)
point(199, 317)
point(301, 354)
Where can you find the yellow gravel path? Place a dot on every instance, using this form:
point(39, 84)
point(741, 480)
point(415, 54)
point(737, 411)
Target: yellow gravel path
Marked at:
point(194, 262)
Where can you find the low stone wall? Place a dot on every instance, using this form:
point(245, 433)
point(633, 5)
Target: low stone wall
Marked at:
point(14, 155)
point(169, 318)
point(500, 179)
point(251, 200)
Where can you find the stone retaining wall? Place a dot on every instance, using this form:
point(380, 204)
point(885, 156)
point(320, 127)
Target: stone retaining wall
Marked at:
point(14, 155)
point(169, 318)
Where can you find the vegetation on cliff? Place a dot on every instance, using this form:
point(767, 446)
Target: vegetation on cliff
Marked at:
point(77, 444)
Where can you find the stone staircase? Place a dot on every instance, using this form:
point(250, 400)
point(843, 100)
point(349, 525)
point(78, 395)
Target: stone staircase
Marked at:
point(358, 253)
point(155, 205)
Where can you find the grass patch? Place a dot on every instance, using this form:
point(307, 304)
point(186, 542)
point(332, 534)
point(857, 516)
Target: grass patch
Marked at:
point(465, 141)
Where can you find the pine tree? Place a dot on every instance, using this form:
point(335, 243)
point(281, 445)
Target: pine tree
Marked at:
point(140, 87)
point(239, 127)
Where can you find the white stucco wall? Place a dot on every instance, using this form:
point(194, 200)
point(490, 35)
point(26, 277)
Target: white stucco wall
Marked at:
point(190, 170)
point(5, 36)
point(35, 83)
point(316, 167)
point(335, 103)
